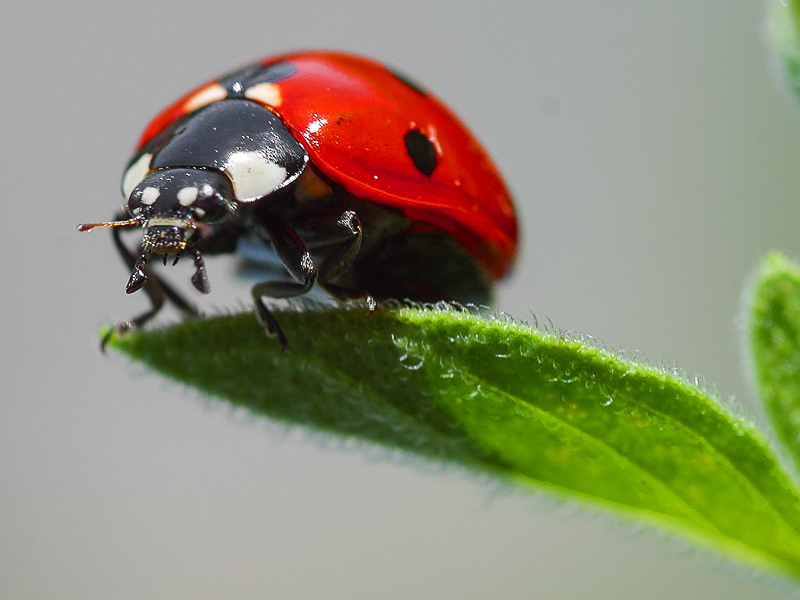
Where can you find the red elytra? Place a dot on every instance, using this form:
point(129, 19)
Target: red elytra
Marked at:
point(351, 114)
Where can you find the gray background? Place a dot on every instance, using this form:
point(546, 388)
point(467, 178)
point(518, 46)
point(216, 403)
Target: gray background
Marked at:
point(653, 158)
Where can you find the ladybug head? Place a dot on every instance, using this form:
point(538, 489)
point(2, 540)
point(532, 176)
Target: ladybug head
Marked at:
point(171, 205)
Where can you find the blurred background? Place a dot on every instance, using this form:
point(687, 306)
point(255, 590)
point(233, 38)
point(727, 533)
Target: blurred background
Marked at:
point(653, 155)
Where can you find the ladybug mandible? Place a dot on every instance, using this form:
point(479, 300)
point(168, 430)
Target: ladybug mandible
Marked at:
point(357, 178)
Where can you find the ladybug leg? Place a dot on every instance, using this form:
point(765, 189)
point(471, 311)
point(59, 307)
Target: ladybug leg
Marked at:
point(294, 255)
point(156, 289)
point(347, 236)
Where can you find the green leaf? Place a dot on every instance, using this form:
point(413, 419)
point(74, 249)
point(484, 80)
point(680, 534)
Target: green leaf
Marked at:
point(775, 343)
point(544, 409)
point(785, 33)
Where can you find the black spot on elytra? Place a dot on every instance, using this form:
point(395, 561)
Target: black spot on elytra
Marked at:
point(421, 151)
point(238, 81)
point(409, 82)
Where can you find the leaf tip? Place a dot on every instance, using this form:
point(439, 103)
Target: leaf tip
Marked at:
point(775, 272)
point(776, 261)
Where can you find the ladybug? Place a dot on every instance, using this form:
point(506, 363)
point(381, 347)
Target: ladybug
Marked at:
point(360, 180)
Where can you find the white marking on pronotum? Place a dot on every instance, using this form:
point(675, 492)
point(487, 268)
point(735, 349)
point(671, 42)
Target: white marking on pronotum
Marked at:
point(135, 173)
point(213, 92)
point(150, 194)
point(187, 195)
point(253, 175)
point(266, 93)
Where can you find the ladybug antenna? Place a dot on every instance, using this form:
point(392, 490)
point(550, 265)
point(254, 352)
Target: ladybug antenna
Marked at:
point(90, 226)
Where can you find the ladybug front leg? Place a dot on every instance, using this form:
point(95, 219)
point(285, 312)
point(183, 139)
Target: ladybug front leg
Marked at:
point(294, 255)
point(155, 288)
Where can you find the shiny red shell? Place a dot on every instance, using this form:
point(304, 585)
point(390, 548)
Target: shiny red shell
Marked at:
point(351, 114)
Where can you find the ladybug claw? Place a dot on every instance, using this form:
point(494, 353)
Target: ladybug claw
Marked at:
point(120, 328)
point(104, 341)
point(271, 326)
point(273, 330)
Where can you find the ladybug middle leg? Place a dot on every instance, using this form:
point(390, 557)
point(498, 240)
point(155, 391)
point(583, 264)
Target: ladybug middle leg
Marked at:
point(294, 255)
point(341, 237)
point(346, 236)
